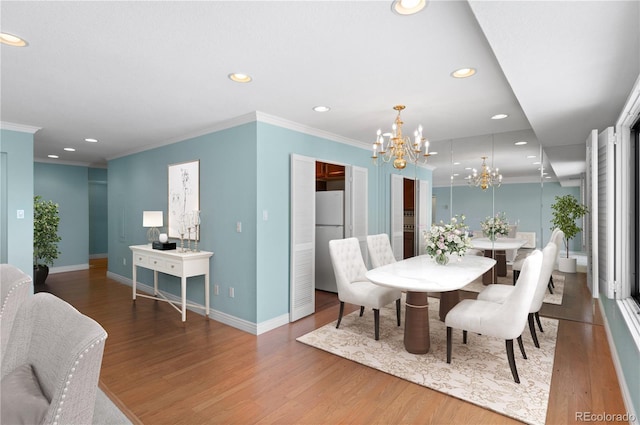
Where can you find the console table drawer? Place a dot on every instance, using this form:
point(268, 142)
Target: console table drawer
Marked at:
point(172, 267)
point(140, 260)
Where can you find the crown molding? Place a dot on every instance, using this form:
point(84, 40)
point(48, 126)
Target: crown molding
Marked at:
point(18, 127)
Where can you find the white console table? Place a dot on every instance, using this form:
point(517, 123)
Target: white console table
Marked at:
point(175, 263)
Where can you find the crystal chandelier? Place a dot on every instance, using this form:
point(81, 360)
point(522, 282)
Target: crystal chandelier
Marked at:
point(400, 148)
point(486, 177)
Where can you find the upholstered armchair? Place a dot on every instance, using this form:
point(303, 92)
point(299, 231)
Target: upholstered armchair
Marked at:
point(15, 288)
point(354, 287)
point(499, 293)
point(506, 320)
point(380, 251)
point(51, 364)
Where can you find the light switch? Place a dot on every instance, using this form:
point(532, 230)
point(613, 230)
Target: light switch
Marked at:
point(20, 213)
point(239, 227)
point(265, 215)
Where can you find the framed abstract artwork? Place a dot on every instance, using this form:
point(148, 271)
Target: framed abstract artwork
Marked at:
point(184, 198)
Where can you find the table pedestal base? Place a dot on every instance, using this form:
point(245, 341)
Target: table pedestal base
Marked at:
point(416, 323)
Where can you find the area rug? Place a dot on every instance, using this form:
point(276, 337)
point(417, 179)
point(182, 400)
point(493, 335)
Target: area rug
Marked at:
point(479, 371)
point(107, 413)
point(555, 298)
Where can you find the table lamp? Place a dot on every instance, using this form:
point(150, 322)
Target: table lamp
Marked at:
point(152, 220)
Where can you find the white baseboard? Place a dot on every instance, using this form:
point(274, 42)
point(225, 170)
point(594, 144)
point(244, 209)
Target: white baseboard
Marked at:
point(98, 256)
point(624, 388)
point(73, 268)
point(218, 316)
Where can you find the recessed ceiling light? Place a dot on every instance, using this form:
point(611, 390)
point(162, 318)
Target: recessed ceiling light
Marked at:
point(499, 116)
point(11, 40)
point(530, 156)
point(69, 149)
point(239, 78)
point(536, 163)
point(520, 143)
point(53, 156)
point(455, 174)
point(321, 108)
point(433, 153)
point(456, 163)
point(463, 72)
point(468, 168)
point(408, 7)
point(91, 140)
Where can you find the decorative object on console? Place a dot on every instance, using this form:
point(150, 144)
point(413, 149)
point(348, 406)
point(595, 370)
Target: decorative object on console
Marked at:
point(184, 197)
point(486, 178)
point(152, 220)
point(442, 240)
point(398, 146)
point(494, 226)
point(163, 238)
point(163, 246)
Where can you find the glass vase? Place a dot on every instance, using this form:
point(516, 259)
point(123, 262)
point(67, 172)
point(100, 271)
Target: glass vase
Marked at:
point(442, 259)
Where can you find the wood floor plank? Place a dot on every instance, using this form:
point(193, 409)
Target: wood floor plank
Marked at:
point(203, 372)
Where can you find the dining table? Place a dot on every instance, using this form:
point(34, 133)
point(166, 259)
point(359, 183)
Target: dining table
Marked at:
point(496, 249)
point(418, 276)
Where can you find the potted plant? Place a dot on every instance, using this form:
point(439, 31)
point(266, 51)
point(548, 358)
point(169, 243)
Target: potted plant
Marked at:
point(45, 237)
point(565, 211)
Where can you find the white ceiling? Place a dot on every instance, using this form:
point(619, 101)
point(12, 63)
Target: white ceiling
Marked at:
point(140, 74)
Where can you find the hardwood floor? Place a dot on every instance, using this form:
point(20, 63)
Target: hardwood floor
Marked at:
point(203, 372)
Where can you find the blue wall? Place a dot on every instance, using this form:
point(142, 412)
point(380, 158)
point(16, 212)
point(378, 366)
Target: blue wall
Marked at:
point(17, 147)
point(243, 171)
point(67, 186)
point(527, 204)
point(98, 207)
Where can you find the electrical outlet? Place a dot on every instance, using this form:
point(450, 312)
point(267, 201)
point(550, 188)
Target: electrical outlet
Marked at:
point(216, 289)
point(239, 227)
point(231, 292)
point(124, 261)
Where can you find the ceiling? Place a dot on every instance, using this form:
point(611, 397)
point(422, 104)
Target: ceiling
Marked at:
point(135, 75)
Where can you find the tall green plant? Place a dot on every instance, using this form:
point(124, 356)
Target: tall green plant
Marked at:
point(45, 231)
point(565, 211)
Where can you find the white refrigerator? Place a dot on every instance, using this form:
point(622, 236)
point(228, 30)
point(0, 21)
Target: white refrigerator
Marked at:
point(329, 225)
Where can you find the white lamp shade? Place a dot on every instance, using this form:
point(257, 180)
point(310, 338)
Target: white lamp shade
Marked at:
point(152, 219)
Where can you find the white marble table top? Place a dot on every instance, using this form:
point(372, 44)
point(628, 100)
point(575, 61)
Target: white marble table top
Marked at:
point(498, 244)
point(423, 274)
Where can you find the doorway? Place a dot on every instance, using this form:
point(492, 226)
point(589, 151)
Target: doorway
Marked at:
point(409, 218)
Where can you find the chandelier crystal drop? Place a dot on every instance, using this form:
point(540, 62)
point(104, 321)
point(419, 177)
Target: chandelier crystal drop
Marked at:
point(398, 147)
point(486, 177)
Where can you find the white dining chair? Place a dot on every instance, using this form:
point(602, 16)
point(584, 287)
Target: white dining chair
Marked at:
point(380, 252)
point(499, 293)
point(354, 287)
point(506, 320)
point(556, 237)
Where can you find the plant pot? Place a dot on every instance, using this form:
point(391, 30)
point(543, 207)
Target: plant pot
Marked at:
point(40, 273)
point(567, 265)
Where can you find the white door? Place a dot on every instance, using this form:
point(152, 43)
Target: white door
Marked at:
point(397, 216)
point(303, 218)
point(357, 206)
point(423, 215)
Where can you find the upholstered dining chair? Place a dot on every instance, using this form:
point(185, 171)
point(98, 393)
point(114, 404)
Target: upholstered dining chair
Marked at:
point(380, 252)
point(556, 237)
point(51, 365)
point(354, 287)
point(499, 293)
point(506, 320)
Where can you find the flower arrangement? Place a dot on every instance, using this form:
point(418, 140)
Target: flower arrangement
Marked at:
point(445, 239)
point(494, 226)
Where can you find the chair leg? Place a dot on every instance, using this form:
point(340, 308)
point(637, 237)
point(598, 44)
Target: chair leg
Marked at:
point(532, 328)
point(551, 281)
point(361, 310)
point(538, 320)
point(448, 344)
point(340, 314)
point(376, 321)
point(512, 360)
point(464, 337)
point(521, 345)
point(516, 273)
point(549, 287)
point(398, 310)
